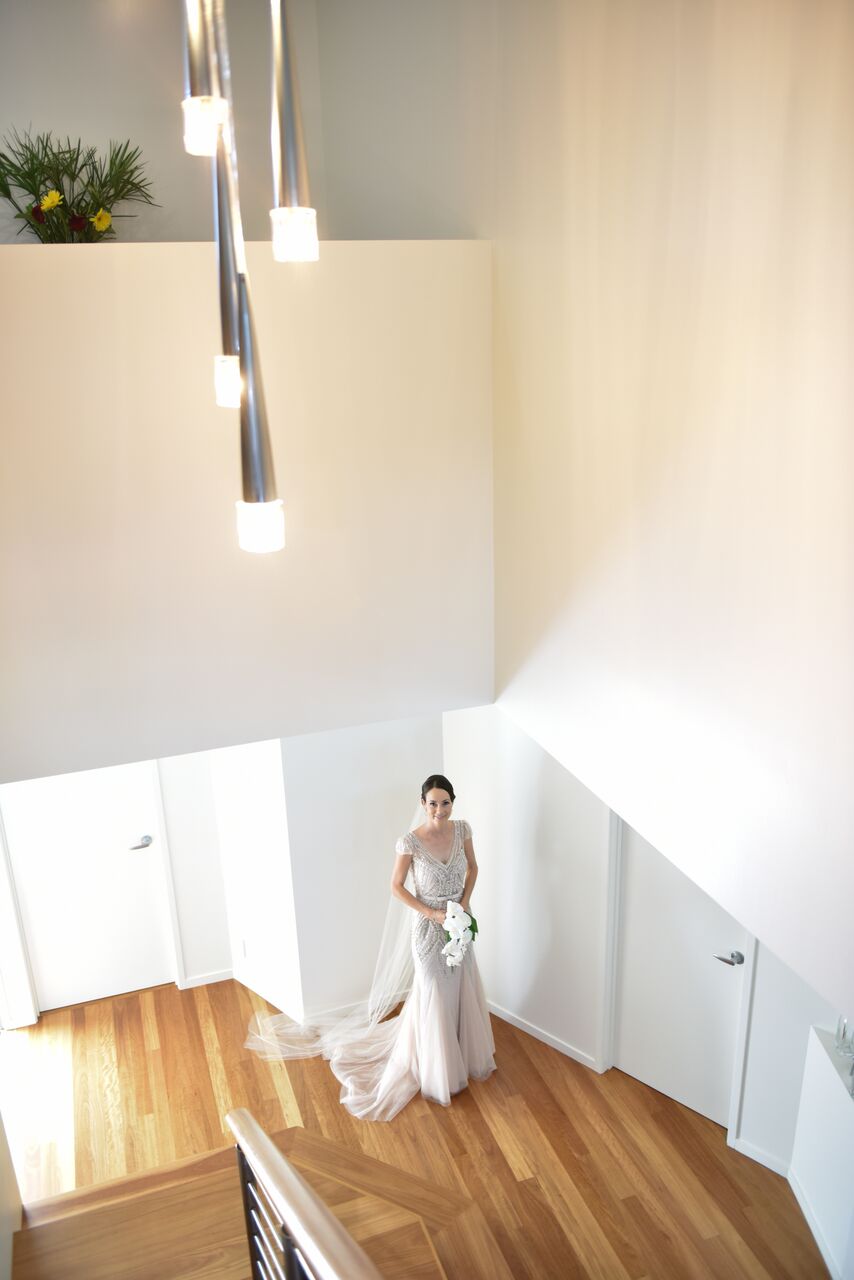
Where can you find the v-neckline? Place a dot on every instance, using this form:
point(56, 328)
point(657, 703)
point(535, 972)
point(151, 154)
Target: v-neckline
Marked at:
point(438, 861)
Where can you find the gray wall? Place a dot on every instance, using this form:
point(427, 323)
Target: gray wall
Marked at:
point(102, 69)
point(409, 116)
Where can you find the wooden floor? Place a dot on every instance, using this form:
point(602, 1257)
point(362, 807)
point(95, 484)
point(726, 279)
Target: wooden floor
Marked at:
point(576, 1174)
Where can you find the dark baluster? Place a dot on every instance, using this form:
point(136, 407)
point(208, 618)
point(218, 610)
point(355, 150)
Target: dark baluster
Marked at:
point(294, 1269)
point(247, 1178)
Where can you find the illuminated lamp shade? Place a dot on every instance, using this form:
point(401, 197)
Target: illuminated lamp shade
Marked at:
point(295, 235)
point(227, 381)
point(260, 525)
point(202, 120)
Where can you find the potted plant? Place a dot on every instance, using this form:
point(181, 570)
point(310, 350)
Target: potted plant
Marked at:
point(65, 192)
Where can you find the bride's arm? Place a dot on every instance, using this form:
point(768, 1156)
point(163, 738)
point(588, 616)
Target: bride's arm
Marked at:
point(401, 870)
point(471, 874)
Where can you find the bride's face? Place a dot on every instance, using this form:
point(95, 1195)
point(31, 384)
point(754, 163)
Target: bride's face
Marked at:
point(437, 806)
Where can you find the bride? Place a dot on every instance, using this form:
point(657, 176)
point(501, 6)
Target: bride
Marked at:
point(441, 1037)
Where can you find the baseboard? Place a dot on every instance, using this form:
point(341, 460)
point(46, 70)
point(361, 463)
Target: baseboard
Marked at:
point(570, 1050)
point(774, 1163)
point(813, 1224)
point(203, 979)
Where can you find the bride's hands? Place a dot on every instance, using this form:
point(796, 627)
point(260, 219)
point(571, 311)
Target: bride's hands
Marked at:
point(437, 914)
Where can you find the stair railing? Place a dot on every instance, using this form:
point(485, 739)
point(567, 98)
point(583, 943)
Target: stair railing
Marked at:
point(292, 1234)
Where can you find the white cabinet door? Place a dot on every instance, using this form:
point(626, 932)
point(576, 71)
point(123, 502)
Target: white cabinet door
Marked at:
point(677, 1006)
point(94, 909)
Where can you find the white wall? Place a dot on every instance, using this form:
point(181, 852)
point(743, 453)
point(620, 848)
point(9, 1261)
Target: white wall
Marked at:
point(350, 794)
point(669, 188)
point(822, 1172)
point(782, 1010)
point(253, 836)
point(17, 996)
point(61, 62)
point(193, 837)
point(141, 630)
point(10, 1206)
point(674, 531)
point(542, 894)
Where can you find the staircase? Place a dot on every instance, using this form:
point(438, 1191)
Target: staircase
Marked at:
point(185, 1221)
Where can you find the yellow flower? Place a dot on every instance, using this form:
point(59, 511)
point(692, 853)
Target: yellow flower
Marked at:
point(102, 220)
point(50, 201)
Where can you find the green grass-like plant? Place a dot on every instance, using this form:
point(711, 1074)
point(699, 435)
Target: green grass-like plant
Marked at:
point(64, 192)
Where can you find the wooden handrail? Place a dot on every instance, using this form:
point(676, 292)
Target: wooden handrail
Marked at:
point(331, 1253)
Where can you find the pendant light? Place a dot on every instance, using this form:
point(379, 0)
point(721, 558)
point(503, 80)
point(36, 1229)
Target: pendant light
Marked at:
point(204, 110)
point(227, 380)
point(260, 516)
point(237, 371)
point(293, 219)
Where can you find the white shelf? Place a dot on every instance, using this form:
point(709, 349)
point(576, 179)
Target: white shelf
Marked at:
point(822, 1168)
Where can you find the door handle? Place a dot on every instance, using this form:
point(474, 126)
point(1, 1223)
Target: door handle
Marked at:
point(734, 957)
point(143, 844)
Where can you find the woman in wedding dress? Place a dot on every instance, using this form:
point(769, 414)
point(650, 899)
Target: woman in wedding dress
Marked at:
point(442, 1036)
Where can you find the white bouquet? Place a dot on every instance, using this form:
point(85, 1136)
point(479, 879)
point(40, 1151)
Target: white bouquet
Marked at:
point(460, 929)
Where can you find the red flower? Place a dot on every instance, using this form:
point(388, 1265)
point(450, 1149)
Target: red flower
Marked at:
point(37, 214)
point(77, 222)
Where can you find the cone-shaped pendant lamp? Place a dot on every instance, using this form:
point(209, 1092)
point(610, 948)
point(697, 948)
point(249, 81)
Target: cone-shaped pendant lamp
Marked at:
point(227, 380)
point(293, 219)
point(260, 517)
point(204, 110)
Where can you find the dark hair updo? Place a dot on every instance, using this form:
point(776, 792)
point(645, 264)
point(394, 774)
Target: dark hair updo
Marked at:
point(439, 781)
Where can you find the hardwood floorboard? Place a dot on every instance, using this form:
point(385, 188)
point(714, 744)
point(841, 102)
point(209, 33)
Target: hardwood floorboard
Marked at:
point(611, 1158)
point(722, 1188)
point(663, 1254)
point(407, 1254)
point(591, 1236)
point(571, 1174)
point(556, 1254)
point(504, 1220)
point(84, 1165)
point(489, 1181)
point(192, 1105)
point(594, 1184)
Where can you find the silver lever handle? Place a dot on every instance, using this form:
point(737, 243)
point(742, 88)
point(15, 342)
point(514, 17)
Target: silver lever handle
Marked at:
point(734, 957)
point(143, 844)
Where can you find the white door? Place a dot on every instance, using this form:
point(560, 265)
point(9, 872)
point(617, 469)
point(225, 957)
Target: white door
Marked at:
point(677, 1006)
point(93, 906)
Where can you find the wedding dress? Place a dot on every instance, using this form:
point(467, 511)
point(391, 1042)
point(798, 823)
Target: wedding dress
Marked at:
point(442, 1036)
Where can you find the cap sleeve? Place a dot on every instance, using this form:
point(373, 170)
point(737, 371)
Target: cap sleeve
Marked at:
point(466, 829)
point(403, 846)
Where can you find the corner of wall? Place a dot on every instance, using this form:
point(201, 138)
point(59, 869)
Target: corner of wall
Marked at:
point(10, 1206)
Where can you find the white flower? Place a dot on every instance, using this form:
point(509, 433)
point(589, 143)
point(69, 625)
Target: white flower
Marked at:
point(457, 922)
point(455, 911)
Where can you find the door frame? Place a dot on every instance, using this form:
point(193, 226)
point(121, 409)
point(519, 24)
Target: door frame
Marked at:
point(613, 937)
point(19, 1005)
point(613, 902)
point(739, 1073)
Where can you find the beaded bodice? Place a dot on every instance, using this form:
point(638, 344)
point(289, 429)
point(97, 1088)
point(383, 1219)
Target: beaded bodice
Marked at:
point(435, 883)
